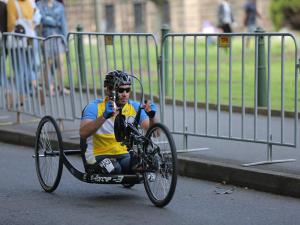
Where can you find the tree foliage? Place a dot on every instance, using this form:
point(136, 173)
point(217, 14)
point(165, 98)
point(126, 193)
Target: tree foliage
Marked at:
point(285, 12)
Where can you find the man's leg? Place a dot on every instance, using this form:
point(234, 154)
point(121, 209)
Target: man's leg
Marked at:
point(124, 162)
point(115, 160)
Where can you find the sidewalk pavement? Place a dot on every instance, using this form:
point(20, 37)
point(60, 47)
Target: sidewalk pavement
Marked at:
point(222, 162)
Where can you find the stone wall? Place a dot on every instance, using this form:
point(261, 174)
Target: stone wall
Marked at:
point(80, 12)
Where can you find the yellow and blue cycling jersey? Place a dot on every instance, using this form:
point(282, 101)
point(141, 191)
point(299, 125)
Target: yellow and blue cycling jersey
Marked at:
point(103, 142)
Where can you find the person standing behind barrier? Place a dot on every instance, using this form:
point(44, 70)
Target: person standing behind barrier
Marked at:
point(250, 17)
point(3, 16)
point(3, 28)
point(53, 22)
point(225, 16)
point(24, 75)
point(61, 1)
point(208, 28)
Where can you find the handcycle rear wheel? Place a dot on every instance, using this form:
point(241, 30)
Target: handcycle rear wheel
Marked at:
point(48, 158)
point(160, 182)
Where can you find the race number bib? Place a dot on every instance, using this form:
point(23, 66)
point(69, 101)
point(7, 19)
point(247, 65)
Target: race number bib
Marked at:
point(107, 164)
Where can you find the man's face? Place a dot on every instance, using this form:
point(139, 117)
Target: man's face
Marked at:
point(123, 93)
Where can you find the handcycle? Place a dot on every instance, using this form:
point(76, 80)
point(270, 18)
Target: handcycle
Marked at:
point(154, 152)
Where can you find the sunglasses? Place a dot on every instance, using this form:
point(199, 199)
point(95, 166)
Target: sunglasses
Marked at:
point(121, 90)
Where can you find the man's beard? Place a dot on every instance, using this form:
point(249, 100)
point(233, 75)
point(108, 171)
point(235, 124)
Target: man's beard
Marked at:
point(119, 102)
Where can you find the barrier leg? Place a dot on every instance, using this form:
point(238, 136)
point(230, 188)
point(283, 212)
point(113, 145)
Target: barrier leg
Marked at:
point(269, 158)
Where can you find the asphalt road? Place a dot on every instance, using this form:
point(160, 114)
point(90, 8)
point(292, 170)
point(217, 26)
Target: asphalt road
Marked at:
point(22, 201)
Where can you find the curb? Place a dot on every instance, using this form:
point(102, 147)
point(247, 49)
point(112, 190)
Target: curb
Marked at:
point(17, 138)
point(262, 180)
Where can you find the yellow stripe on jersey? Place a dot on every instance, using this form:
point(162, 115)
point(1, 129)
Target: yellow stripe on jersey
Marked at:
point(104, 142)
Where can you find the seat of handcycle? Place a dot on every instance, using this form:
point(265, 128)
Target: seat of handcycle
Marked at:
point(89, 168)
point(95, 168)
point(94, 173)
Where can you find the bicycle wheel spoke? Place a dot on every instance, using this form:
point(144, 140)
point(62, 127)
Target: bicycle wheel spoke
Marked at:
point(162, 155)
point(48, 163)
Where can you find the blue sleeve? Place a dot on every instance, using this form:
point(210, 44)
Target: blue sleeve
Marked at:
point(46, 19)
point(136, 107)
point(63, 23)
point(90, 112)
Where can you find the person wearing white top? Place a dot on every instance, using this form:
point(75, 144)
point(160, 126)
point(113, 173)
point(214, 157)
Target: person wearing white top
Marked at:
point(225, 16)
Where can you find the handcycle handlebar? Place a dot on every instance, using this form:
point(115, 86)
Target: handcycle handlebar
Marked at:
point(122, 128)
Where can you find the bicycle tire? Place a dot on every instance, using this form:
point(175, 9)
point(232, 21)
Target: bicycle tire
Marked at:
point(48, 157)
point(166, 166)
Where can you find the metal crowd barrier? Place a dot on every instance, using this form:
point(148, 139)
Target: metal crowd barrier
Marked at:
point(240, 86)
point(92, 55)
point(43, 76)
point(34, 76)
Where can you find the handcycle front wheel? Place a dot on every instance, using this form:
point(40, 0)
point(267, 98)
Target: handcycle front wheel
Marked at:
point(160, 182)
point(48, 158)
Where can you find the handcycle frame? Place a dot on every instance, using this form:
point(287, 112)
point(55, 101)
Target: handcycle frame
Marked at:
point(152, 160)
point(99, 178)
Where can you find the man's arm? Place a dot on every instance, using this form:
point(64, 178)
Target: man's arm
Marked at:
point(148, 122)
point(91, 123)
point(150, 109)
point(89, 127)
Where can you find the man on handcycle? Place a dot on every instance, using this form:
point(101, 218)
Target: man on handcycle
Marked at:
point(103, 152)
